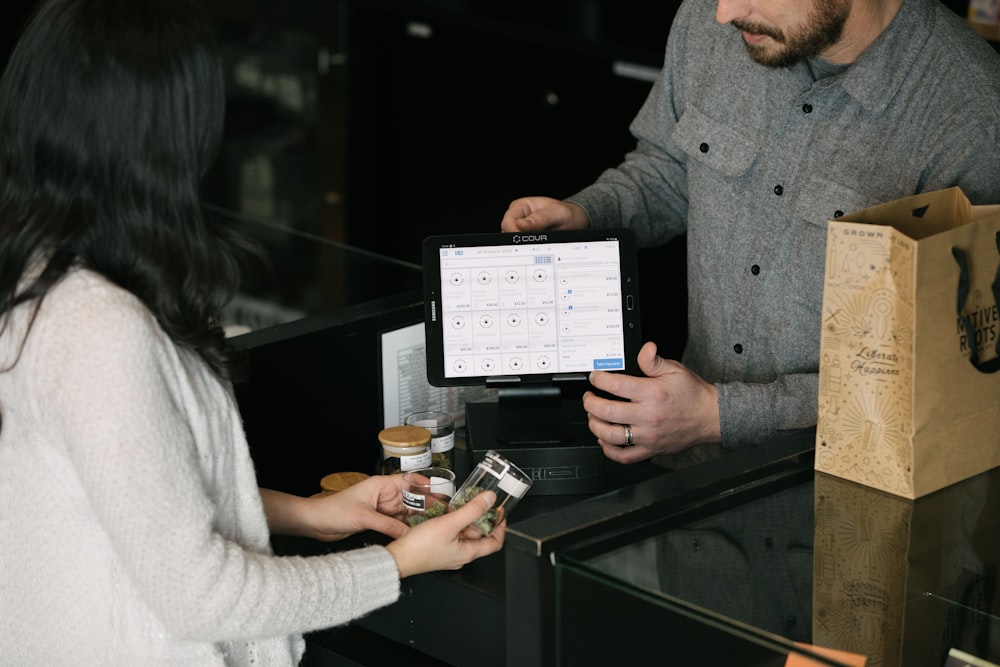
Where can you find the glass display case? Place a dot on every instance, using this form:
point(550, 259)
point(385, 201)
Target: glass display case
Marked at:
point(751, 558)
point(783, 562)
point(305, 275)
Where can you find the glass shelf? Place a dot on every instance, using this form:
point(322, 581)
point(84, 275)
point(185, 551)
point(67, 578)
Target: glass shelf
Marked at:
point(309, 275)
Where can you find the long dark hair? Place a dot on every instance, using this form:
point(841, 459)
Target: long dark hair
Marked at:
point(111, 111)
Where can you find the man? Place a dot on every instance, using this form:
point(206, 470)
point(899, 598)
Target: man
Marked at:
point(767, 120)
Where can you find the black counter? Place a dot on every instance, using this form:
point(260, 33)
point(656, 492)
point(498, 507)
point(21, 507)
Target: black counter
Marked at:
point(443, 618)
point(725, 573)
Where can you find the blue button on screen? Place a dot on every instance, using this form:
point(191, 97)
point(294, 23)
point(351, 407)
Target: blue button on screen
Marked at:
point(609, 364)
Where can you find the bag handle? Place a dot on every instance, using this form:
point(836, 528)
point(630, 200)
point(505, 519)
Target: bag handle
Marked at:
point(993, 365)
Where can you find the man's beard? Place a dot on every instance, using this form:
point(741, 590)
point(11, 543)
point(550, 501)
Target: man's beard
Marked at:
point(824, 26)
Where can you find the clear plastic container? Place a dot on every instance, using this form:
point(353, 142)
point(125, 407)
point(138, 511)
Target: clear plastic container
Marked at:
point(497, 474)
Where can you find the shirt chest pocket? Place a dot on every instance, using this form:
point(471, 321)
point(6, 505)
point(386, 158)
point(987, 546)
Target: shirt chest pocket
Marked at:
point(714, 145)
point(821, 200)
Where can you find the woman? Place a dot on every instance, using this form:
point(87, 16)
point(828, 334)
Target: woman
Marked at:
point(131, 528)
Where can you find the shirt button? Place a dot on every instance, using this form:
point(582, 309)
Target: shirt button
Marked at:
point(755, 269)
point(807, 108)
point(703, 148)
point(738, 349)
point(778, 190)
point(769, 542)
point(838, 214)
point(696, 545)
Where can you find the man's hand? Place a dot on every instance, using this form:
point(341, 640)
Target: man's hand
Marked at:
point(668, 411)
point(533, 214)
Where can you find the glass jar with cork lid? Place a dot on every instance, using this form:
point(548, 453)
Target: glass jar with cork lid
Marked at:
point(405, 448)
point(442, 428)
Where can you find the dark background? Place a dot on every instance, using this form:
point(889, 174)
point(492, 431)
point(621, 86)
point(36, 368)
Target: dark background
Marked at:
point(427, 117)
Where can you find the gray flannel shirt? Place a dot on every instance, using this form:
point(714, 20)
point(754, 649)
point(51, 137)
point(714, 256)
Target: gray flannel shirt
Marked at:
point(752, 161)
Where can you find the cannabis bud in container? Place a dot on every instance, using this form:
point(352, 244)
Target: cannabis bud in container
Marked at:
point(426, 493)
point(497, 474)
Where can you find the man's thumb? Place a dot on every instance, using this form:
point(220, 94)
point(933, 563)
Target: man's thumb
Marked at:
point(650, 363)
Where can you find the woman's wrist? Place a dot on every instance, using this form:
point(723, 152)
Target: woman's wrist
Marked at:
point(287, 514)
point(398, 554)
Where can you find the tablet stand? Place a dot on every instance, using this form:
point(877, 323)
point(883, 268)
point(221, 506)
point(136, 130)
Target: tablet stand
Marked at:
point(531, 415)
point(541, 432)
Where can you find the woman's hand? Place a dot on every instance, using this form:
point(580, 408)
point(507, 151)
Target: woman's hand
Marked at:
point(447, 542)
point(373, 504)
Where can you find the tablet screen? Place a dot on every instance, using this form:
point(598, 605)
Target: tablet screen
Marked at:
point(513, 308)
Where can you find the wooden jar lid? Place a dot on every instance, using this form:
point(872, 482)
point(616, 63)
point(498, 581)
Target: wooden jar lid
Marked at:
point(339, 481)
point(405, 436)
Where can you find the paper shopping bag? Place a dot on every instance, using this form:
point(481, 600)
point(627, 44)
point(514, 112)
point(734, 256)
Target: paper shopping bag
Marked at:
point(909, 396)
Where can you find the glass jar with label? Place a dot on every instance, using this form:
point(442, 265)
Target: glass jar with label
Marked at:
point(493, 473)
point(405, 448)
point(442, 428)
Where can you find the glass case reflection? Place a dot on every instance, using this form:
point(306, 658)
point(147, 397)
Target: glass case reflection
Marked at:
point(823, 561)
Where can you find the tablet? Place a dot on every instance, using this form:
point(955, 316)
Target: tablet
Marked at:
point(506, 309)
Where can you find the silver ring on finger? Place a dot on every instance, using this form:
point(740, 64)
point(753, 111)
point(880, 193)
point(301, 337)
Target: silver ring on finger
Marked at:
point(628, 435)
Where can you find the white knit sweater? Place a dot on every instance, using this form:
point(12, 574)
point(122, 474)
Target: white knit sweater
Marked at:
point(131, 528)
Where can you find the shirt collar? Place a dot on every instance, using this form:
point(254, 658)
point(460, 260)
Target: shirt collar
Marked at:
point(878, 73)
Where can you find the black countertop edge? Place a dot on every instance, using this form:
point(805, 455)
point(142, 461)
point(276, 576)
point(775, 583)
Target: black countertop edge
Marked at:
point(788, 455)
